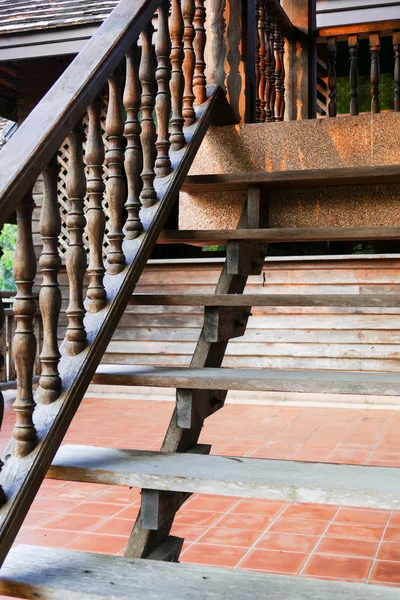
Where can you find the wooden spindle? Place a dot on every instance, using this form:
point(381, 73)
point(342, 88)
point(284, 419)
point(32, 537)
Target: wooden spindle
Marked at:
point(188, 11)
point(50, 294)
point(273, 67)
point(374, 45)
point(283, 76)
point(163, 98)
point(3, 364)
point(278, 74)
point(115, 186)
point(176, 30)
point(257, 61)
point(268, 66)
point(332, 83)
point(262, 54)
point(96, 219)
point(133, 152)
point(396, 46)
point(199, 80)
point(148, 136)
point(75, 260)
point(353, 78)
point(24, 340)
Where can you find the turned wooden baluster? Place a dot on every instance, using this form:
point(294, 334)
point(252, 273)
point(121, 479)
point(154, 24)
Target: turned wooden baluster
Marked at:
point(278, 74)
point(353, 78)
point(115, 185)
point(273, 67)
point(2, 363)
point(374, 44)
point(163, 98)
point(283, 75)
point(268, 67)
point(75, 260)
point(261, 37)
point(332, 84)
point(396, 46)
point(148, 136)
point(24, 339)
point(257, 61)
point(133, 152)
point(176, 30)
point(96, 219)
point(50, 294)
point(199, 80)
point(188, 11)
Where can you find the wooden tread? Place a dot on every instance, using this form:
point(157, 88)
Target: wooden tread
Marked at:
point(203, 237)
point(352, 485)
point(267, 380)
point(338, 176)
point(67, 575)
point(340, 300)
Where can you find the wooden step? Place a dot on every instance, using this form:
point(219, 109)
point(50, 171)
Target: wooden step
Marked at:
point(32, 572)
point(322, 483)
point(203, 237)
point(294, 179)
point(341, 300)
point(267, 380)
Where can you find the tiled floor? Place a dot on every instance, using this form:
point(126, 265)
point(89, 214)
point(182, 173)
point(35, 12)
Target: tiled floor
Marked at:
point(310, 540)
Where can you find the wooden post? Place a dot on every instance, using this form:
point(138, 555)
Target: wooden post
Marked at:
point(300, 61)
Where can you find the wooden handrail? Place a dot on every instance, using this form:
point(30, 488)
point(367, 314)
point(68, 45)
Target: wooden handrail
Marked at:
point(44, 130)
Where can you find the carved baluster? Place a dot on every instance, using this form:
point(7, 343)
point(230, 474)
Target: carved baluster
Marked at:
point(188, 11)
point(332, 84)
point(257, 61)
point(273, 67)
point(176, 29)
point(278, 74)
point(24, 339)
point(96, 219)
point(115, 186)
point(396, 46)
point(268, 66)
point(148, 136)
point(163, 98)
point(199, 80)
point(261, 36)
point(50, 294)
point(133, 152)
point(283, 76)
point(374, 44)
point(353, 79)
point(75, 260)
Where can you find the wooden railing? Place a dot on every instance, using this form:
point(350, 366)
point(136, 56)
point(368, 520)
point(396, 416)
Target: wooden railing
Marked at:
point(161, 76)
point(355, 39)
point(266, 75)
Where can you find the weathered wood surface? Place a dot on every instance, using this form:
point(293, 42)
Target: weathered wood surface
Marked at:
point(47, 572)
point(323, 483)
point(282, 380)
point(294, 179)
point(204, 237)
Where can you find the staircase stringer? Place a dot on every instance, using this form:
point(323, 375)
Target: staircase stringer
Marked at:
point(143, 542)
point(21, 478)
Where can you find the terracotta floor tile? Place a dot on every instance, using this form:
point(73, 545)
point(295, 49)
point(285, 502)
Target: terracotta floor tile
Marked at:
point(196, 517)
point(216, 504)
point(343, 547)
point(304, 526)
point(389, 551)
point(49, 537)
point(68, 522)
point(115, 527)
point(392, 534)
point(394, 519)
point(385, 572)
point(218, 556)
point(271, 561)
point(190, 533)
point(129, 512)
point(238, 521)
point(288, 541)
point(119, 495)
point(230, 537)
point(267, 508)
point(349, 457)
point(319, 512)
point(95, 509)
point(355, 532)
point(52, 506)
point(104, 544)
point(343, 567)
point(34, 519)
point(362, 516)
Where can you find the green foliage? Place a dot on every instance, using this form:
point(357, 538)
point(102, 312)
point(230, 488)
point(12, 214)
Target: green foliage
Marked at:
point(8, 240)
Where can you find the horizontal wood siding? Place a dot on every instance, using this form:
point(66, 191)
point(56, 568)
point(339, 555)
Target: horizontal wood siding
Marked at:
point(334, 13)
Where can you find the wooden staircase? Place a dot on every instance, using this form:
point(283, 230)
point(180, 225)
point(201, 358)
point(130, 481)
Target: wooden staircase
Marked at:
point(183, 466)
